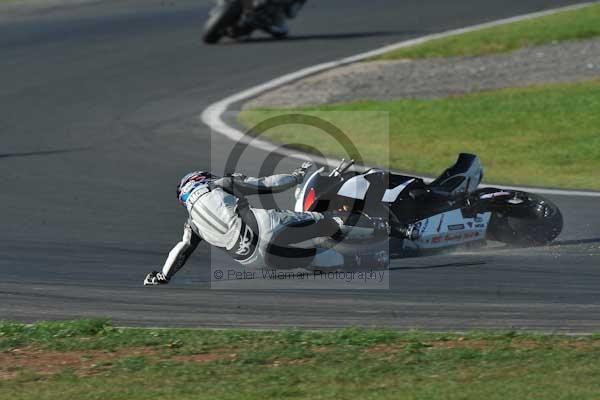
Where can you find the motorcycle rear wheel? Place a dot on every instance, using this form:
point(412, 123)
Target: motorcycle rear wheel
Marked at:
point(225, 14)
point(525, 220)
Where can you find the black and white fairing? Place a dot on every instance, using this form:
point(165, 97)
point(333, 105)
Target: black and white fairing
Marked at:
point(456, 226)
point(449, 211)
point(404, 200)
point(447, 229)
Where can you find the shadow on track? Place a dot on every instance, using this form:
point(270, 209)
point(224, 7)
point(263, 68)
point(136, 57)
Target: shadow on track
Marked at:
point(557, 243)
point(574, 242)
point(325, 36)
point(41, 153)
point(448, 265)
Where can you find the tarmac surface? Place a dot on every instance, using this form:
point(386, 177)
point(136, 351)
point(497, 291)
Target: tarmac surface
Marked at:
point(99, 118)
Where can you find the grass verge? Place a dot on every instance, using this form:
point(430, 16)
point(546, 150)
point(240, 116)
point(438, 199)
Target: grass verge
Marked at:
point(568, 25)
point(94, 360)
point(541, 136)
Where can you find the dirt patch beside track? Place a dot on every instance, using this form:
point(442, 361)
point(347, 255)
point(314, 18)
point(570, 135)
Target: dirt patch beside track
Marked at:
point(433, 78)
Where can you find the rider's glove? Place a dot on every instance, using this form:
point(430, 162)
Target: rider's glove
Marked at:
point(300, 172)
point(155, 278)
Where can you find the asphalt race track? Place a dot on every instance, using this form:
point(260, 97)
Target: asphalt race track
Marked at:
point(99, 108)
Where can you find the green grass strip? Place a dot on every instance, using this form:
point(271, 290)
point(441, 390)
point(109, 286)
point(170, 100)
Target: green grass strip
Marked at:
point(568, 25)
point(338, 364)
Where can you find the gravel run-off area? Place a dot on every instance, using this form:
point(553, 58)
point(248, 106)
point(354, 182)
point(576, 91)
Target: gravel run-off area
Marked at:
point(440, 77)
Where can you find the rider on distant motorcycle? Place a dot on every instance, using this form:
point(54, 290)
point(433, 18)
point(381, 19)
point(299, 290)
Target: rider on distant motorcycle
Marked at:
point(289, 9)
point(219, 214)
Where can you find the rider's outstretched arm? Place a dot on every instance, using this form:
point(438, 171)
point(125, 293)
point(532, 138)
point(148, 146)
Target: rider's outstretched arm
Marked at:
point(181, 252)
point(177, 257)
point(244, 185)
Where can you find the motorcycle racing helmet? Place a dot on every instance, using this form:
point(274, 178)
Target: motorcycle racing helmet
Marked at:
point(190, 182)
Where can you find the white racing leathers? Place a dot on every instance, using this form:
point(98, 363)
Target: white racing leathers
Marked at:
point(220, 215)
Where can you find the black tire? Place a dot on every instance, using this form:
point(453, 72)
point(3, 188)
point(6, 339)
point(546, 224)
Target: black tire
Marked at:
point(225, 14)
point(526, 220)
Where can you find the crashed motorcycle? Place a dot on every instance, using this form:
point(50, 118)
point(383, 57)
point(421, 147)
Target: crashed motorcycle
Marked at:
point(239, 18)
point(453, 210)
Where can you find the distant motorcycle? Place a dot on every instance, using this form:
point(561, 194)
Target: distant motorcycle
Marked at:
point(450, 211)
point(239, 18)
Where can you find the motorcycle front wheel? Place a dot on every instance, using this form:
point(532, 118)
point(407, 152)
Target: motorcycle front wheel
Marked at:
point(525, 220)
point(225, 14)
